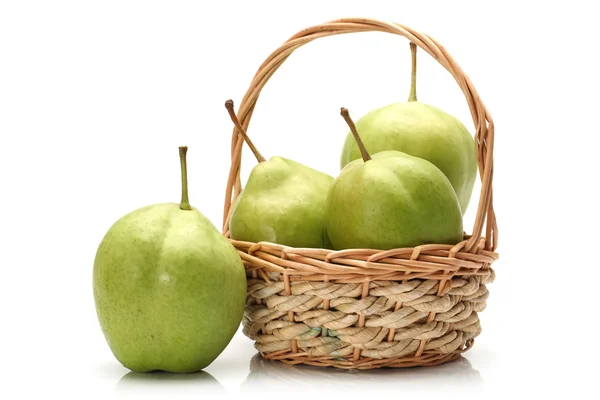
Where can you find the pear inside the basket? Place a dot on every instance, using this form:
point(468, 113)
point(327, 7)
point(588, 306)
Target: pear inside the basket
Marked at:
point(391, 200)
point(423, 131)
point(283, 201)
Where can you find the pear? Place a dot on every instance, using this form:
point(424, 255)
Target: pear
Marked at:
point(169, 289)
point(283, 201)
point(424, 131)
point(391, 200)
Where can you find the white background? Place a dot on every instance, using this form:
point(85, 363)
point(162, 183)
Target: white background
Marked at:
point(95, 97)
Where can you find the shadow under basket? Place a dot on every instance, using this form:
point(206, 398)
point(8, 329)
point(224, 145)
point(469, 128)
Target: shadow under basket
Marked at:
point(364, 308)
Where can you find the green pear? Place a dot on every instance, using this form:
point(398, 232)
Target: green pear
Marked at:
point(283, 201)
point(169, 289)
point(391, 200)
point(424, 131)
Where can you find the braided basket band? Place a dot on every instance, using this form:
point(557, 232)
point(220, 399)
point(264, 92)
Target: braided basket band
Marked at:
point(365, 308)
point(399, 324)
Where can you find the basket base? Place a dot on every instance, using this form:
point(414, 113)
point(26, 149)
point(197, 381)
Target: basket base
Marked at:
point(427, 359)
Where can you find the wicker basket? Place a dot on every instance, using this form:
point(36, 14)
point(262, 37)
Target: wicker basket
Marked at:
point(363, 309)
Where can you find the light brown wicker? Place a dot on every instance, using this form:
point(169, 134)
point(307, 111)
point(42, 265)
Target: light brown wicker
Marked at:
point(364, 308)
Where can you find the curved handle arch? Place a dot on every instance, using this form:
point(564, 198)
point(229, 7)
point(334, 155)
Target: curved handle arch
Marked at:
point(484, 126)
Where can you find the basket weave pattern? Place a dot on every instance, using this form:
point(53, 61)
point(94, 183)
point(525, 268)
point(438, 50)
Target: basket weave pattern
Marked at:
point(364, 308)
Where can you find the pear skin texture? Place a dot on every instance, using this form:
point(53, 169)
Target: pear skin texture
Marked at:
point(424, 131)
point(169, 289)
point(392, 201)
point(283, 202)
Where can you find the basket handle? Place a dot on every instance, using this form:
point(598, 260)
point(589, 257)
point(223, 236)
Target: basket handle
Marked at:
point(484, 126)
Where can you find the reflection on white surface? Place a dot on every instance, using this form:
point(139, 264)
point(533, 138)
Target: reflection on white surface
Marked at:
point(266, 375)
point(164, 384)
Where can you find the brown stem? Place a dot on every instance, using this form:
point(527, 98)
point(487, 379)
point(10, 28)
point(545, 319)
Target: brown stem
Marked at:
point(242, 131)
point(359, 142)
point(185, 201)
point(413, 74)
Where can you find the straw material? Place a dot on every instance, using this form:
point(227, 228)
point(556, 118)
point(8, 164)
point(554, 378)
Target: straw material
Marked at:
point(364, 308)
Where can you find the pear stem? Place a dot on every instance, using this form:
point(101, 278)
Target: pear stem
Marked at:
point(242, 131)
point(359, 142)
point(413, 75)
point(185, 201)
